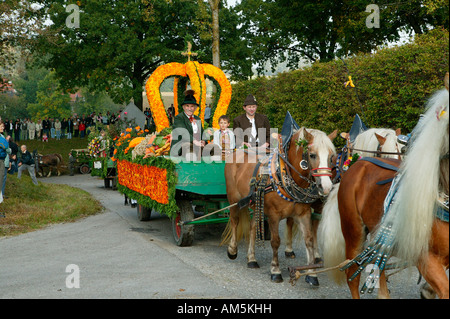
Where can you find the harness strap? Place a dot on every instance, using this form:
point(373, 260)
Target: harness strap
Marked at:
point(251, 194)
point(379, 163)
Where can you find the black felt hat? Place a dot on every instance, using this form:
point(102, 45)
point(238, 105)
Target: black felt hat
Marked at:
point(250, 100)
point(189, 98)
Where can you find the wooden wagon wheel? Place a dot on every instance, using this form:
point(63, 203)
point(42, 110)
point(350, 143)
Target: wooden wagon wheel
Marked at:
point(143, 213)
point(183, 234)
point(85, 169)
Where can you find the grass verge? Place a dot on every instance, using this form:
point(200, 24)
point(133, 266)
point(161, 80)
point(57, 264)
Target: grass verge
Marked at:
point(29, 207)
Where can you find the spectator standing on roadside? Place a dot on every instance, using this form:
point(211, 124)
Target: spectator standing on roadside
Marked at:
point(3, 153)
point(38, 129)
point(75, 127)
point(57, 125)
point(31, 127)
point(45, 127)
point(82, 129)
point(69, 128)
point(13, 154)
point(63, 127)
point(24, 130)
point(52, 128)
point(26, 162)
point(17, 130)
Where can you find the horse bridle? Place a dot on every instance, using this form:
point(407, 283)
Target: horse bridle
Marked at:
point(378, 151)
point(305, 165)
point(314, 172)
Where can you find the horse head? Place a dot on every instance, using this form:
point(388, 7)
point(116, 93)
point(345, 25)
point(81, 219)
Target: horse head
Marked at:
point(312, 153)
point(389, 144)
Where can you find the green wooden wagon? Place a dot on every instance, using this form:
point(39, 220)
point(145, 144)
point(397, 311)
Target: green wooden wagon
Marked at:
point(105, 168)
point(81, 160)
point(200, 190)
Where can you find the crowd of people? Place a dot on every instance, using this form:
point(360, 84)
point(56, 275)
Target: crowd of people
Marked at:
point(55, 128)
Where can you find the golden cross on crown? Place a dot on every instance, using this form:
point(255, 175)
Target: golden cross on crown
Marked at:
point(189, 52)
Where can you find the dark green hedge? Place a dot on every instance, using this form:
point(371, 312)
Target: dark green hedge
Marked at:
point(392, 87)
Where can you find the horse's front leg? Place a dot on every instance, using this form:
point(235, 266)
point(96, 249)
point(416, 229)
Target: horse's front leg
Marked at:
point(289, 251)
point(251, 259)
point(306, 227)
point(233, 224)
point(315, 227)
point(275, 243)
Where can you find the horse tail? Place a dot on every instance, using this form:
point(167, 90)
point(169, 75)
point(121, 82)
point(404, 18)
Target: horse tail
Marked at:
point(331, 238)
point(242, 228)
point(60, 159)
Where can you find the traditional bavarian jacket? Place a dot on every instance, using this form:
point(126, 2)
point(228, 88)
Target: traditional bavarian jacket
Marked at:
point(243, 122)
point(193, 127)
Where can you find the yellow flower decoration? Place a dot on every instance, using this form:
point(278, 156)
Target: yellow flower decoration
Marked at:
point(175, 94)
point(154, 97)
point(196, 73)
point(225, 94)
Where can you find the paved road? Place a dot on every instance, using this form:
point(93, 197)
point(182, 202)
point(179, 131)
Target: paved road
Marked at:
point(119, 257)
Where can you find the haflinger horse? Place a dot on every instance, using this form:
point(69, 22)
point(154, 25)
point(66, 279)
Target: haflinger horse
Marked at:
point(378, 142)
point(52, 161)
point(374, 142)
point(408, 220)
point(296, 179)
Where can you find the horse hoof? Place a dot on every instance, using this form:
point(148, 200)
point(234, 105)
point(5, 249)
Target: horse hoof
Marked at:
point(277, 278)
point(253, 265)
point(232, 257)
point(289, 254)
point(313, 281)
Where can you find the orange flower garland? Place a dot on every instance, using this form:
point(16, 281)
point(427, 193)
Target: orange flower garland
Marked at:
point(197, 77)
point(225, 94)
point(196, 73)
point(154, 97)
point(175, 95)
point(150, 181)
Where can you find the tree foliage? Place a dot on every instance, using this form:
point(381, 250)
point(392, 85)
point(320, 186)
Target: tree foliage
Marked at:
point(51, 102)
point(119, 43)
point(280, 30)
point(391, 88)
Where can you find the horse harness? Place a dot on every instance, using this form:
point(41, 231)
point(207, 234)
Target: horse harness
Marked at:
point(272, 174)
point(442, 203)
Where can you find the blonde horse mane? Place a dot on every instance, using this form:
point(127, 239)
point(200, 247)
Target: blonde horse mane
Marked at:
point(368, 141)
point(321, 139)
point(412, 212)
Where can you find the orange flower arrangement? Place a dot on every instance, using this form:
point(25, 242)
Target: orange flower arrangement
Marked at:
point(150, 181)
point(154, 97)
point(196, 73)
point(225, 94)
point(175, 94)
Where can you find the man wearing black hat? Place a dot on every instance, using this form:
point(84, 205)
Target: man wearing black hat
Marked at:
point(247, 127)
point(187, 127)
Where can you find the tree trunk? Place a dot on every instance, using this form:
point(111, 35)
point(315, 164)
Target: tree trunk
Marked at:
point(215, 30)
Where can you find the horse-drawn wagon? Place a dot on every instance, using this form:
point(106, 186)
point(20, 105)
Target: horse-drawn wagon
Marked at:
point(81, 160)
point(188, 185)
point(156, 182)
point(105, 168)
